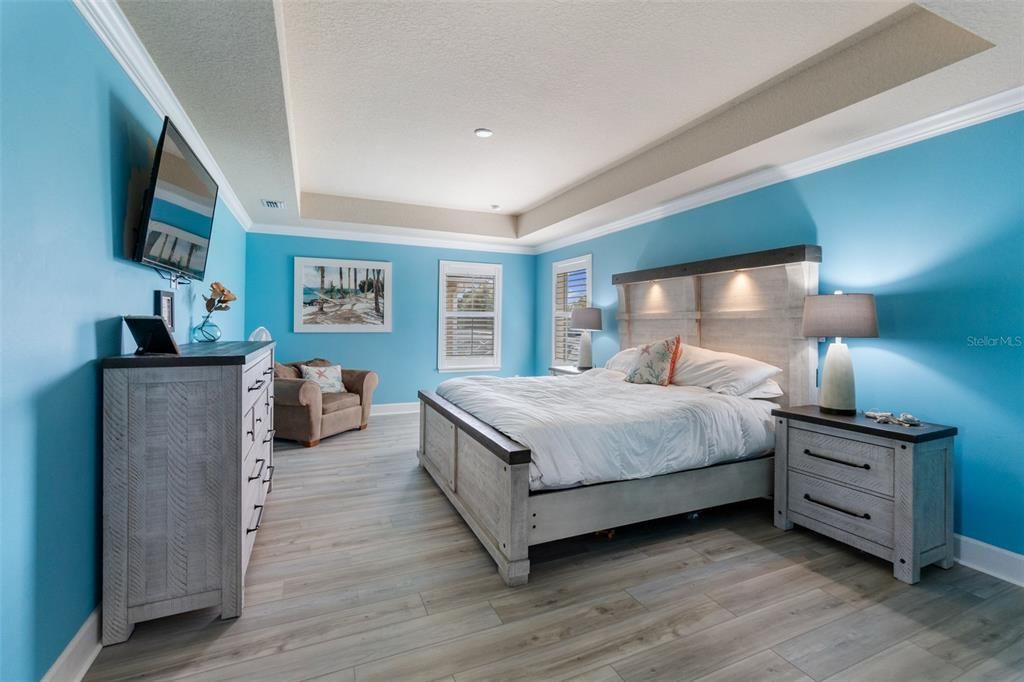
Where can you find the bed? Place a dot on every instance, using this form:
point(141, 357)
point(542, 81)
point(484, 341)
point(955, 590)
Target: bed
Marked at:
point(606, 453)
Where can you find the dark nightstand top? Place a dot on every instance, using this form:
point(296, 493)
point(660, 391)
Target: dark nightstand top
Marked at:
point(566, 369)
point(861, 424)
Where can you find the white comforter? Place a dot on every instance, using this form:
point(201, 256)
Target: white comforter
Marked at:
point(597, 427)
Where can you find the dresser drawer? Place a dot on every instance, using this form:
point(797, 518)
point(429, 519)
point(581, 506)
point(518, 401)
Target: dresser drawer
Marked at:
point(850, 462)
point(853, 511)
point(255, 379)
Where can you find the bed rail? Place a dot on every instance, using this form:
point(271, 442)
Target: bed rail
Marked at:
point(506, 449)
point(486, 477)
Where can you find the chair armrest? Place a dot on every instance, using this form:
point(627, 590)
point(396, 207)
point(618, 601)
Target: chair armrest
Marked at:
point(298, 392)
point(362, 382)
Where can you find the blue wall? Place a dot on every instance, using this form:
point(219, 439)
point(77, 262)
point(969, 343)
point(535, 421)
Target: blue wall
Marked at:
point(405, 359)
point(936, 231)
point(73, 129)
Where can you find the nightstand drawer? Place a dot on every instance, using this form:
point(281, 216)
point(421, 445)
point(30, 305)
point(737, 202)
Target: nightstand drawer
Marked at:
point(844, 460)
point(850, 510)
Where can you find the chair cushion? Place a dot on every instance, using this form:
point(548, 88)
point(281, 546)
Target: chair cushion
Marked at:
point(286, 371)
point(339, 401)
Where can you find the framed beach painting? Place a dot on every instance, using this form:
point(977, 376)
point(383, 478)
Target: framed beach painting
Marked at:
point(334, 295)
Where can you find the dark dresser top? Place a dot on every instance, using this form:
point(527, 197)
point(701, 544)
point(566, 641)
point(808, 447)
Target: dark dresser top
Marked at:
point(195, 355)
point(861, 424)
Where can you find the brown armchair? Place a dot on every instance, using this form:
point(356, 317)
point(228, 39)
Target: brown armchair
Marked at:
point(304, 414)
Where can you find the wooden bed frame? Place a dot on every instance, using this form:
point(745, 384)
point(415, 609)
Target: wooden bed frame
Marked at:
point(749, 304)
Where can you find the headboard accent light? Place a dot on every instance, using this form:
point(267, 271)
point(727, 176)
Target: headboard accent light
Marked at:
point(750, 304)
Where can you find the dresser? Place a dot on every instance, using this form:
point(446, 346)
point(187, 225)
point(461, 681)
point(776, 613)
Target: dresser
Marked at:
point(188, 461)
point(882, 488)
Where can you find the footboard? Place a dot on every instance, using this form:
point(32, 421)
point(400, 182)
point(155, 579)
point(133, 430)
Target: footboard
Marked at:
point(486, 477)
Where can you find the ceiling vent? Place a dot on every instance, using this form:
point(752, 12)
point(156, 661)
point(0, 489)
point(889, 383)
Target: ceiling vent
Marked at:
point(271, 203)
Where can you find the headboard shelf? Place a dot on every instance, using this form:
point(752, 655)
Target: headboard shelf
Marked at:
point(750, 304)
point(810, 253)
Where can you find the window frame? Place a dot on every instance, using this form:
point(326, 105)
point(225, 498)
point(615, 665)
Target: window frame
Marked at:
point(584, 262)
point(450, 267)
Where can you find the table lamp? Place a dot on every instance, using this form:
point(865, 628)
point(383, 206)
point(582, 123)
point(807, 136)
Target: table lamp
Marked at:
point(585, 320)
point(839, 315)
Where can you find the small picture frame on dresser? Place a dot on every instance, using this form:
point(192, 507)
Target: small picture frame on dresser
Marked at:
point(163, 305)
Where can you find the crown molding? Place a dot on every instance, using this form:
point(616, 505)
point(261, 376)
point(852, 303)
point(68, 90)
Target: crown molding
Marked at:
point(361, 234)
point(113, 28)
point(111, 25)
point(986, 109)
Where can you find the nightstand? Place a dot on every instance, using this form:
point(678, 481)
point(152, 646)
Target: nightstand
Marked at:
point(565, 370)
point(882, 488)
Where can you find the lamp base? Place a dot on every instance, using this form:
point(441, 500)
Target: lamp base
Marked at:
point(586, 357)
point(838, 394)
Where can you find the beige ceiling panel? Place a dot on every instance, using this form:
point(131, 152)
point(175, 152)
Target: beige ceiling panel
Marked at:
point(901, 48)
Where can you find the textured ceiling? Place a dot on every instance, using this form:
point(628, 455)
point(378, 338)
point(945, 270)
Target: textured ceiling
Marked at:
point(367, 108)
point(385, 96)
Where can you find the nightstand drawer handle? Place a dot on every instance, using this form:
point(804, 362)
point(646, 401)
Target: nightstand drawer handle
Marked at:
point(837, 461)
point(835, 508)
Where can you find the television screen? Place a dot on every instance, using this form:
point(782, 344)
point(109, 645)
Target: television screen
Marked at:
point(177, 217)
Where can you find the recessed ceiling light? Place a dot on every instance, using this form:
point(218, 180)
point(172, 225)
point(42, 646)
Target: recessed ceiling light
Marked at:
point(483, 132)
point(495, 207)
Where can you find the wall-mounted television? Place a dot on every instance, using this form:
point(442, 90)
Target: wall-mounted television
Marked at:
point(177, 212)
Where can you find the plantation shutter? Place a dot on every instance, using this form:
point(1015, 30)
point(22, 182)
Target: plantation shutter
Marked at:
point(469, 335)
point(571, 283)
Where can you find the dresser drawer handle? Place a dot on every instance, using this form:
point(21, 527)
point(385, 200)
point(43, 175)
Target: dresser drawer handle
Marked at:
point(259, 474)
point(252, 435)
point(270, 474)
point(835, 508)
point(257, 386)
point(866, 467)
point(268, 371)
point(259, 520)
point(270, 436)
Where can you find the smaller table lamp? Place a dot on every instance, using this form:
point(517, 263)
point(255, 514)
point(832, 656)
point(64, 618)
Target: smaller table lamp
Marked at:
point(839, 315)
point(585, 320)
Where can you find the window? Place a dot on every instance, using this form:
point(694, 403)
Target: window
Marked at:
point(469, 321)
point(570, 282)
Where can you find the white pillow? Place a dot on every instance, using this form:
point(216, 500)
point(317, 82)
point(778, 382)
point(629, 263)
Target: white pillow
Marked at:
point(768, 389)
point(725, 373)
point(328, 377)
point(624, 360)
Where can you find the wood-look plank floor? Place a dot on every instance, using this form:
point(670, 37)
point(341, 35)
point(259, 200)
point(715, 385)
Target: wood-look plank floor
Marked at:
point(362, 571)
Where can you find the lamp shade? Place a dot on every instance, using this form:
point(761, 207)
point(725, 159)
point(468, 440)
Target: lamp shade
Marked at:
point(586, 319)
point(851, 315)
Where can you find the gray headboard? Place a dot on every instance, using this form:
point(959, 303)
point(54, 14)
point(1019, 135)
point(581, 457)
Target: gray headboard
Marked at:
point(750, 304)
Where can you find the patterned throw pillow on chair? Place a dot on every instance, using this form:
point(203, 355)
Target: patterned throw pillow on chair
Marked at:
point(656, 362)
point(328, 377)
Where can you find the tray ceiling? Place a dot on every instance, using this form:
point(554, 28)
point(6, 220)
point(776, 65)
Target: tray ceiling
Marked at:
point(362, 113)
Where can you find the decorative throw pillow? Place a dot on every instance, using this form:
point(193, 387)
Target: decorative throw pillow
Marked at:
point(328, 377)
point(655, 362)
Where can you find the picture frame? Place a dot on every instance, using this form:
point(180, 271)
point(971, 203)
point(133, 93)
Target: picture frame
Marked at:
point(334, 295)
point(163, 305)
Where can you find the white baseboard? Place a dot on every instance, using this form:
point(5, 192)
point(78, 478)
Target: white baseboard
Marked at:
point(394, 408)
point(996, 561)
point(78, 655)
